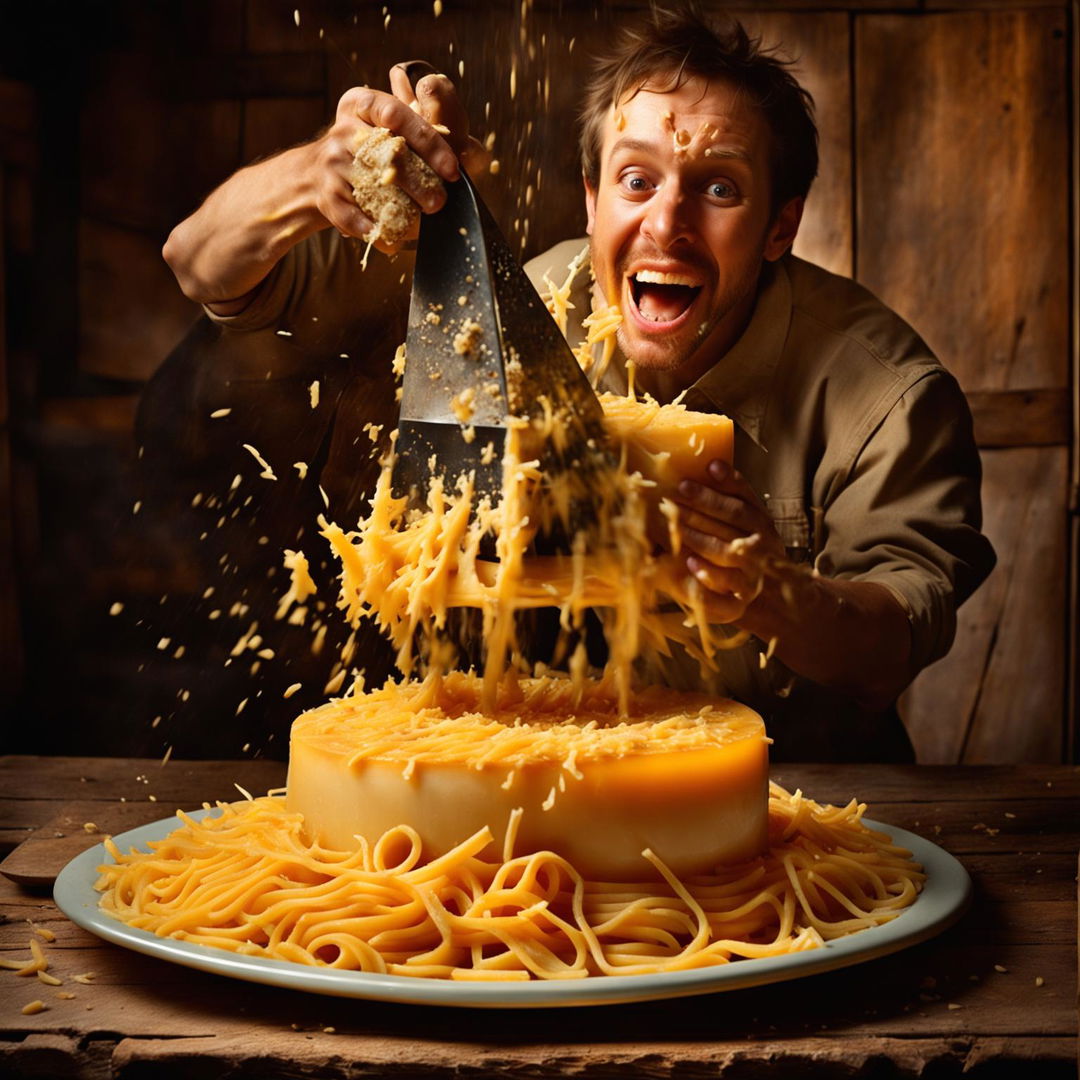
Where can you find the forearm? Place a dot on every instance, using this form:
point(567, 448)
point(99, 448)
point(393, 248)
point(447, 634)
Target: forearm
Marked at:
point(228, 246)
point(852, 636)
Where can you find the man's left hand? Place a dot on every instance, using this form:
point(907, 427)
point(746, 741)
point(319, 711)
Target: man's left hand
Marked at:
point(730, 537)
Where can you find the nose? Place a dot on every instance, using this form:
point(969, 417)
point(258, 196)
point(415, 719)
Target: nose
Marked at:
point(667, 219)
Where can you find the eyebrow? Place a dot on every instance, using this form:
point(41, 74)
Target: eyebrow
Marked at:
point(630, 143)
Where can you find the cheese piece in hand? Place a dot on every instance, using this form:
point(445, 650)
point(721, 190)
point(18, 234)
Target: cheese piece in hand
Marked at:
point(380, 159)
point(685, 775)
point(666, 444)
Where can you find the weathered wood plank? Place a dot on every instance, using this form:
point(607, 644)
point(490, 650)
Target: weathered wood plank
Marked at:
point(1020, 711)
point(11, 644)
point(214, 76)
point(75, 828)
point(138, 169)
point(980, 825)
point(187, 783)
point(906, 994)
point(115, 413)
point(131, 313)
point(820, 45)
point(966, 242)
point(331, 1057)
point(1008, 659)
point(935, 784)
point(1021, 417)
point(271, 124)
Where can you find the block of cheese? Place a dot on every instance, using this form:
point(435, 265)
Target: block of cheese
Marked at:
point(666, 444)
point(683, 775)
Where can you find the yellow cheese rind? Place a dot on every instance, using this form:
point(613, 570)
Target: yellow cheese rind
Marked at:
point(684, 775)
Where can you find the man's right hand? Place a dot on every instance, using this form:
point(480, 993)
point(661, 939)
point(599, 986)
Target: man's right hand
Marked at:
point(414, 115)
point(222, 252)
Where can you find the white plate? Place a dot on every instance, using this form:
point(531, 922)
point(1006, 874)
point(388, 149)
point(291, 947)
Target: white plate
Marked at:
point(943, 900)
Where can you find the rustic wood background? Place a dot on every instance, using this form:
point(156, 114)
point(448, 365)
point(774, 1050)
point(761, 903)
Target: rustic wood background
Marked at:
point(947, 158)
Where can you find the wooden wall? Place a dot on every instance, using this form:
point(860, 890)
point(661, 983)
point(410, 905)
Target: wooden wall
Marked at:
point(945, 187)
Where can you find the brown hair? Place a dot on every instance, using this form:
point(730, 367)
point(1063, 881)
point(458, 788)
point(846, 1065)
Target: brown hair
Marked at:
point(677, 44)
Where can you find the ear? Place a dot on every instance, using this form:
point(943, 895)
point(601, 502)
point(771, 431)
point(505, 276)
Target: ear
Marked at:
point(785, 226)
point(590, 204)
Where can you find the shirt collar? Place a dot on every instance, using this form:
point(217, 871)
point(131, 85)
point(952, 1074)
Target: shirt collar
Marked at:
point(738, 383)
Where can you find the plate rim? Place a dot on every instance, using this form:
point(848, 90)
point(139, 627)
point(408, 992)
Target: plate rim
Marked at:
point(943, 901)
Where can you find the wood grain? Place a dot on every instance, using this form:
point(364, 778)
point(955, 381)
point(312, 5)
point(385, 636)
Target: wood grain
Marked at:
point(1008, 661)
point(134, 779)
point(122, 277)
point(270, 124)
point(995, 995)
point(961, 187)
point(1021, 417)
point(1020, 712)
point(820, 45)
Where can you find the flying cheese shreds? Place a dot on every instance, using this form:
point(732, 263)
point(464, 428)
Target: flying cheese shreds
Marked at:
point(267, 472)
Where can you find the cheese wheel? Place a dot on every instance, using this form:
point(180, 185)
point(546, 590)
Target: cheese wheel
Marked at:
point(683, 775)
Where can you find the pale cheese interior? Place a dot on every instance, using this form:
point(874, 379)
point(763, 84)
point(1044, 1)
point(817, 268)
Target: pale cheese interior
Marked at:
point(683, 775)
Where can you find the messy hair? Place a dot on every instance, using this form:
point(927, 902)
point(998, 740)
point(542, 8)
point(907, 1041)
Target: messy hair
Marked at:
point(668, 47)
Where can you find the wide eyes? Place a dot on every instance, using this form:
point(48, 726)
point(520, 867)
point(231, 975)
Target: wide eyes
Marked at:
point(635, 183)
point(721, 189)
point(638, 183)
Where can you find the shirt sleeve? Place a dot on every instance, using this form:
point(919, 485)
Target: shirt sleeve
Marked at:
point(909, 515)
point(324, 277)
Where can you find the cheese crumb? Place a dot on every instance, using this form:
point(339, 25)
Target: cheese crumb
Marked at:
point(465, 341)
point(267, 473)
point(462, 405)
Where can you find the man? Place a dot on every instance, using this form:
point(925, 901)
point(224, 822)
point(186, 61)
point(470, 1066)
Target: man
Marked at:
point(854, 447)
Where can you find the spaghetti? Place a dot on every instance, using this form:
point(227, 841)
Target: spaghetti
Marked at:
point(247, 881)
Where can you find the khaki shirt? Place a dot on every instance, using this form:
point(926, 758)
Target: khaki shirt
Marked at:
point(855, 436)
point(861, 445)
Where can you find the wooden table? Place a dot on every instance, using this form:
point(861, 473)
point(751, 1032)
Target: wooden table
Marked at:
point(995, 996)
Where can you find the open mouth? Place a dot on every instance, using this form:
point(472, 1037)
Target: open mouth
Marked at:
point(661, 297)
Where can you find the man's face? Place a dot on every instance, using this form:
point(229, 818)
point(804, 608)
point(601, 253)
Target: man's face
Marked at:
point(680, 222)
